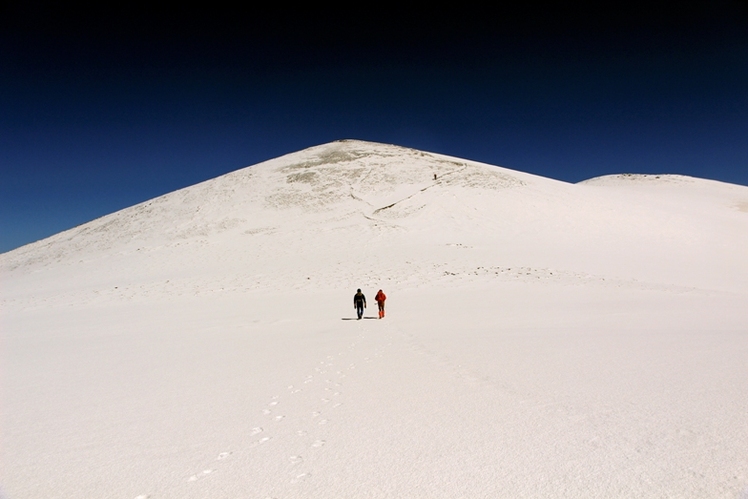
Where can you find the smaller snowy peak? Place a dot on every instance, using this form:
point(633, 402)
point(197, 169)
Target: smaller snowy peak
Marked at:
point(663, 180)
point(640, 179)
point(674, 193)
point(669, 182)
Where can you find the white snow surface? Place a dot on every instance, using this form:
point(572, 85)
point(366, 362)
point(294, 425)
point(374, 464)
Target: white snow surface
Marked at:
point(542, 339)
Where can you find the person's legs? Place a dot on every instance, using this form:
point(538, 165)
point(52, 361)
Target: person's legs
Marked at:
point(360, 310)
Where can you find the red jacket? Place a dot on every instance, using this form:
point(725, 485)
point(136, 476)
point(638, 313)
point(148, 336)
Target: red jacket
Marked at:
point(380, 296)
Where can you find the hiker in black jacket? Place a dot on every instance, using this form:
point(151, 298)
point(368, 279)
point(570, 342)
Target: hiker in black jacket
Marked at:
point(359, 303)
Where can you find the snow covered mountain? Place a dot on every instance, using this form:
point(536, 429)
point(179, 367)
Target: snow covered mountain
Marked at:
point(351, 209)
point(543, 339)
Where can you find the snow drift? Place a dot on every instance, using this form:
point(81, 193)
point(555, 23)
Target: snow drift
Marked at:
point(543, 339)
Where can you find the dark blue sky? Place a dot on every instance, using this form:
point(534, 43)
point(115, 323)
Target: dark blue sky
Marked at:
point(102, 109)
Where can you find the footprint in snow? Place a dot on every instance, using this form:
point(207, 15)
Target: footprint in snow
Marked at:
point(300, 477)
point(222, 456)
point(318, 443)
point(194, 478)
point(296, 459)
point(256, 430)
point(259, 442)
point(279, 418)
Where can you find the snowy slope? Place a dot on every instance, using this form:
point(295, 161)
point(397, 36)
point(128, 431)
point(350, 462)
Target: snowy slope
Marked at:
point(543, 339)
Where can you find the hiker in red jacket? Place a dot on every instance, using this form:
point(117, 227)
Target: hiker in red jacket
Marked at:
point(380, 301)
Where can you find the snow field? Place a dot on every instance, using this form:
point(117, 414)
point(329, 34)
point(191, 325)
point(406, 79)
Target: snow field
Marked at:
point(541, 340)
